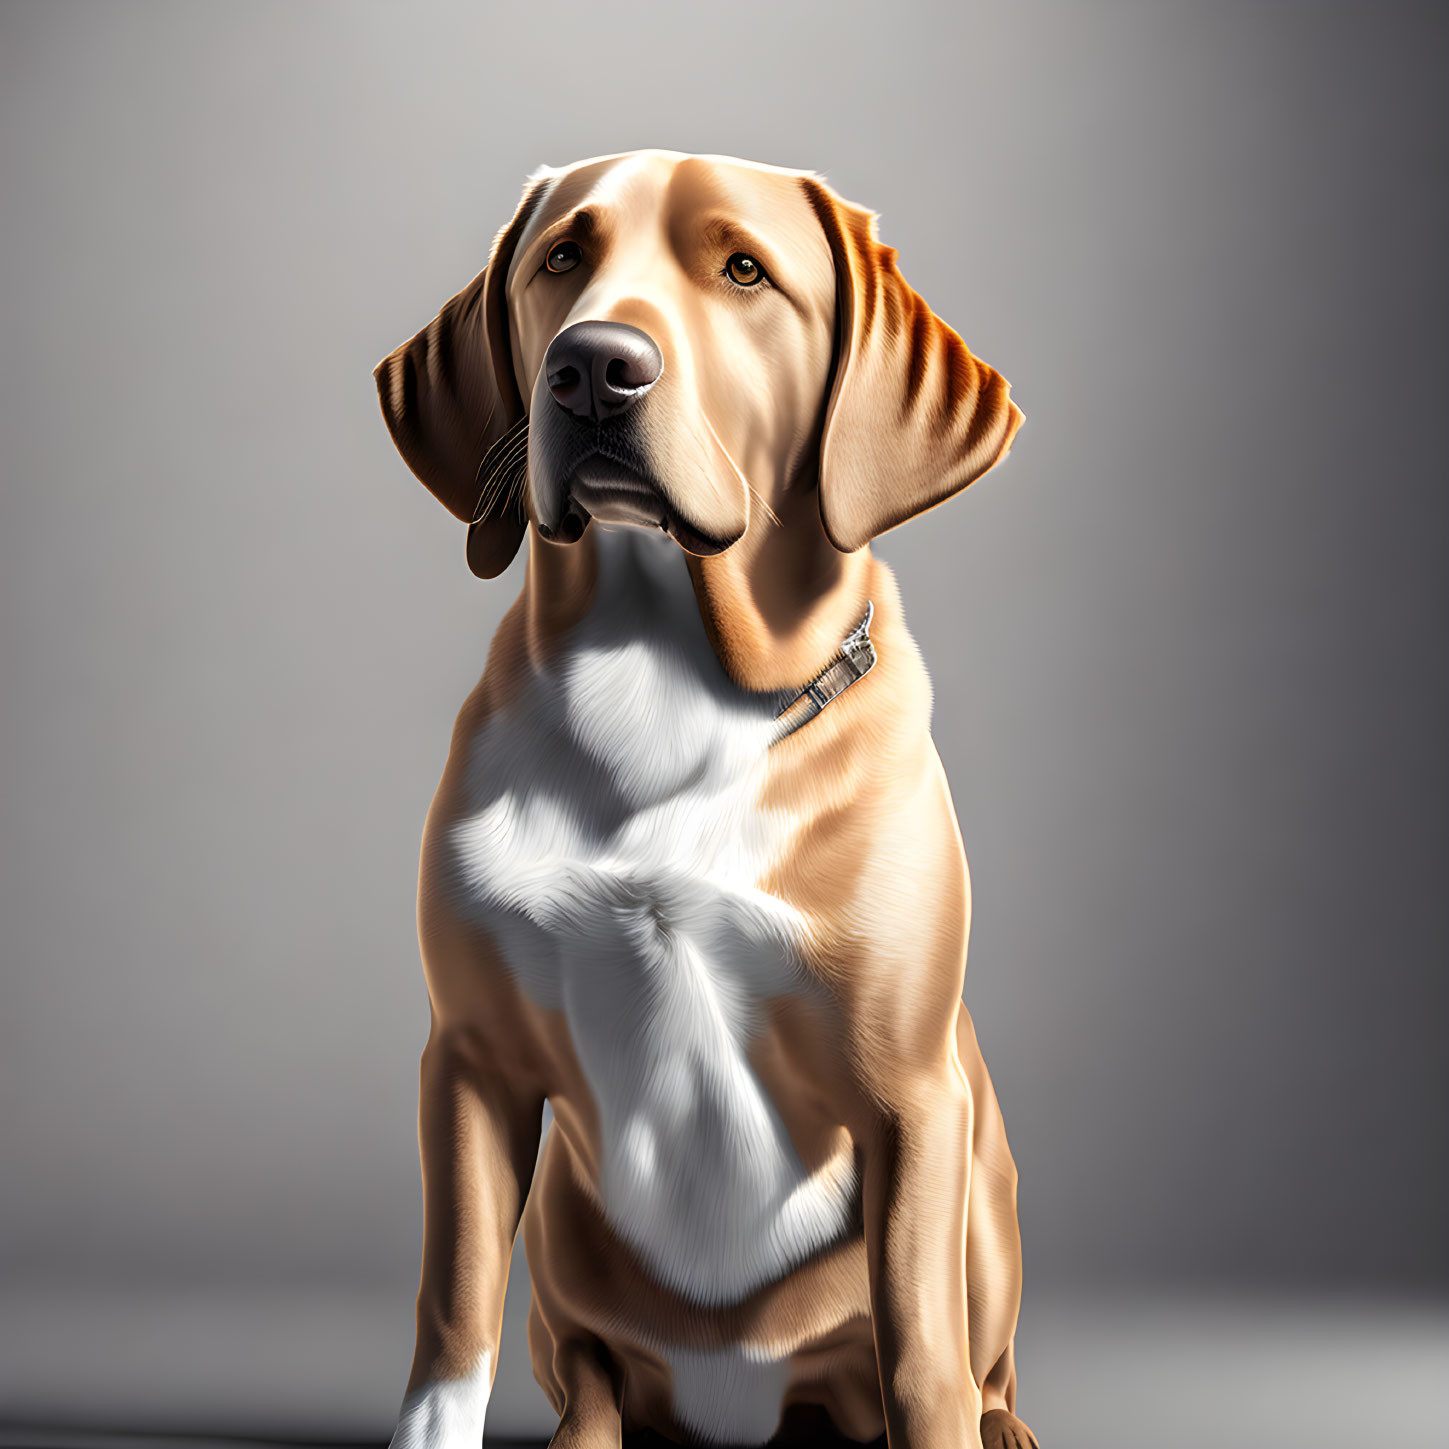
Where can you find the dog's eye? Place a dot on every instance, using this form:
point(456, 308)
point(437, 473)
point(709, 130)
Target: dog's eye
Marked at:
point(742, 270)
point(564, 257)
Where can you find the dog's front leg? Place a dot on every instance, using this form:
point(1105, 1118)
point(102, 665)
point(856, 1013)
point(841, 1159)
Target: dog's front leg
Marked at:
point(478, 1136)
point(917, 1178)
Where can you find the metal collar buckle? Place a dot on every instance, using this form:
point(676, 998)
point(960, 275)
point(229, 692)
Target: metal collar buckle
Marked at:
point(855, 660)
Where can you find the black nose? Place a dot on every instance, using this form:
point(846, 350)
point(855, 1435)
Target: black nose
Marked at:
point(599, 369)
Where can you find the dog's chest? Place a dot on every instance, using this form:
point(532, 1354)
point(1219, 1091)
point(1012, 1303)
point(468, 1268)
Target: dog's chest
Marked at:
point(614, 845)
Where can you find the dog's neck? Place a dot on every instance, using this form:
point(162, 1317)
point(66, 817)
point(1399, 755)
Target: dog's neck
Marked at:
point(775, 605)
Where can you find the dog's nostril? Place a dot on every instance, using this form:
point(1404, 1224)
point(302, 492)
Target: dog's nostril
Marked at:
point(598, 369)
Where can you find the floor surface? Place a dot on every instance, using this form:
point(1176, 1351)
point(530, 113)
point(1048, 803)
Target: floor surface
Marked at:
point(90, 1370)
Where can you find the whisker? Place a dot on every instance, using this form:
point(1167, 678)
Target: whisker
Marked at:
point(502, 444)
point(503, 483)
point(517, 485)
point(505, 460)
point(759, 498)
point(740, 475)
point(497, 461)
point(488, 502)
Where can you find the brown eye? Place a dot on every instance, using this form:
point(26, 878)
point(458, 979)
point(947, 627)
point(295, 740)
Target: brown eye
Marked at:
point(743, 270)
point(564, 257)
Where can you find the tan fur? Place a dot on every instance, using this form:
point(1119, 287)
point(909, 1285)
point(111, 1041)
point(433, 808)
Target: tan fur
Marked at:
point(906, 1326)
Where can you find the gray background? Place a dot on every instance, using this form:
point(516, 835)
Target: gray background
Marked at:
point(1188, 645)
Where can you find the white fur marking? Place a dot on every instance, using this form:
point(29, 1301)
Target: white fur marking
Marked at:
point(729, 1395)
point(613, 848)
point(445, 1414)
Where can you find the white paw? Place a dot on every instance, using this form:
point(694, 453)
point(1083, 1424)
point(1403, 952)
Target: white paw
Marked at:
point(446, 1413)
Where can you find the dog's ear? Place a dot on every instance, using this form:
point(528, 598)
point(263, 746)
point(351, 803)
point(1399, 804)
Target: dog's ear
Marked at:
point(912, 416)
point(448, 396)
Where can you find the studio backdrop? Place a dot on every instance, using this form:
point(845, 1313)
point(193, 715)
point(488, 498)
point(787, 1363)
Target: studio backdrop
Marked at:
point(1187, 643)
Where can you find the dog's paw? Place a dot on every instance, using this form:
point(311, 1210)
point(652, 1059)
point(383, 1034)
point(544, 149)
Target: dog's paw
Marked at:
point(444, 1414)
point(1000, 1430)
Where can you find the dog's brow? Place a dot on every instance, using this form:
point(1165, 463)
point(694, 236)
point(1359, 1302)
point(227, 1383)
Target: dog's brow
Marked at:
point(728, 234)
point(582, 222)
point(724, 231)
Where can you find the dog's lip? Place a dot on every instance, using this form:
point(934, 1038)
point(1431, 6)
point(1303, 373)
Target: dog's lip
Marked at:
point(691, 540)
point(612, 490)
point(613, 478)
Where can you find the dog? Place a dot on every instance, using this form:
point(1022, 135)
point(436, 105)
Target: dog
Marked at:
point(693, 875)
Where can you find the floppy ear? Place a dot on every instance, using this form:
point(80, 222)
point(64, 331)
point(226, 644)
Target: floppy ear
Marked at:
point(448, 396)
point(913, 417)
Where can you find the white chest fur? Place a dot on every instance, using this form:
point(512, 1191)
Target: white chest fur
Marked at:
point(613, 847)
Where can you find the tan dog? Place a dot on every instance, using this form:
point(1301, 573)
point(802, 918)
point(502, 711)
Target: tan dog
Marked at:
point(717, 919)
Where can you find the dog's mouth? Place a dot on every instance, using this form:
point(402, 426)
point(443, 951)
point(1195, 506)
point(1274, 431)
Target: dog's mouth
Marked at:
point(606, 483)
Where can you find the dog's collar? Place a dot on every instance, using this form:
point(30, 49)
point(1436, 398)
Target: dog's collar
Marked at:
point(855, 659)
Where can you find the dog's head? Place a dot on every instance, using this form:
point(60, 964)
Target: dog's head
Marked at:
point(678, 341)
